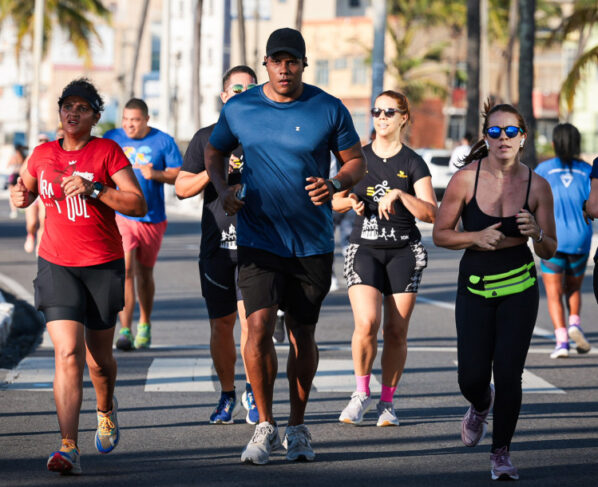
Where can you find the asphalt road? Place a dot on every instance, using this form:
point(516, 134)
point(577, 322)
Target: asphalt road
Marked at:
point(167, 393)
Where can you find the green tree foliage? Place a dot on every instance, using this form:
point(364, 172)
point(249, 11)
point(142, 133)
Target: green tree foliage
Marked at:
point(416, 67)
point(76, 17)
point(580, 23)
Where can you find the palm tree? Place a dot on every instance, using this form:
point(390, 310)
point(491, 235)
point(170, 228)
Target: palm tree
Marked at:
point(140, 29)
point(414, 67)
point(299, 15)
point(583, 19)
point(76, 17)
point(527, 32)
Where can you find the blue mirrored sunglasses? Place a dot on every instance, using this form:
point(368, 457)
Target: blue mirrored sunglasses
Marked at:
point(510, 131)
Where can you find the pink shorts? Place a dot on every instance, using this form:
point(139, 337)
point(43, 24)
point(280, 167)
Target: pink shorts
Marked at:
point(146, 238)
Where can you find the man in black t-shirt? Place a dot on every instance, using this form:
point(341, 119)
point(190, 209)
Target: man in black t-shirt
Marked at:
point(218, 256)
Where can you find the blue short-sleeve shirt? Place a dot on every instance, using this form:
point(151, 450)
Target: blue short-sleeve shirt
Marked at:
point(157, 148)
point(284, 143)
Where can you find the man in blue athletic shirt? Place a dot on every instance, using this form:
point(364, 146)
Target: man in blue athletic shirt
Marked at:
point(156, 161)
point(284, 226)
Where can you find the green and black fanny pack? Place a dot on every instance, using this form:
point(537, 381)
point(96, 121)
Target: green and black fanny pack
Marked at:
point(504, 284)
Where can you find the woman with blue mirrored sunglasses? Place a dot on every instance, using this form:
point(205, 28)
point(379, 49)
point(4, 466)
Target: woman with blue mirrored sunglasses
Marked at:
point(501, 205)
point(511, 131)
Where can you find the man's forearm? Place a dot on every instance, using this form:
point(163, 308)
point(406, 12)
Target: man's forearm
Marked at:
point(215, 166)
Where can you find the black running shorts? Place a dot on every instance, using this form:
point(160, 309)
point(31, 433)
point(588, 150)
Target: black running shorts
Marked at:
point(298, 285)
point(390, 270)
point(92, 295)
point(218, 276)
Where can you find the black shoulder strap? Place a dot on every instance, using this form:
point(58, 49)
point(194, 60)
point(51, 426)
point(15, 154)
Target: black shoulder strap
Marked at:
point(477, 175)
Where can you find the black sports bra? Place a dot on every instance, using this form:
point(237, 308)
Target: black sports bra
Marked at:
point(475, 219)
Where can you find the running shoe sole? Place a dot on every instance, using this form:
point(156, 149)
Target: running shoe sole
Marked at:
point(581, 344)
point(503, 476)
point(59, 463)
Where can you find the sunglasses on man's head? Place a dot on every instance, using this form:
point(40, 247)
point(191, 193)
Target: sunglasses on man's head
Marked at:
point(388, 112)
point(238, 88)
point(510, 131)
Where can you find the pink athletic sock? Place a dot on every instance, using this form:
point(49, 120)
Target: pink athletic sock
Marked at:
point(387, 393)
point(363, 383)
point(574, 320)
point(561, 335)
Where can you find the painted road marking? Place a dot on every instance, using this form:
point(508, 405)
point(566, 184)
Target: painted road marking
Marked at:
point(32, 374)
point(532, 384)
point(335, 375)
point(180, 374)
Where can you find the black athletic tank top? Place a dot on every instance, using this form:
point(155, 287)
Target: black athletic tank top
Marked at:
point(475, 219)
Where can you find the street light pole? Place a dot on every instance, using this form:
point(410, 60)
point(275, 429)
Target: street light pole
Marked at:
point(38, 26)
point(165, 68)
point(379, 7)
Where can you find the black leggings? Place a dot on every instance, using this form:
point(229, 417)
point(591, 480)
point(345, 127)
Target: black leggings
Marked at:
point(596, 281)
point(493, 335)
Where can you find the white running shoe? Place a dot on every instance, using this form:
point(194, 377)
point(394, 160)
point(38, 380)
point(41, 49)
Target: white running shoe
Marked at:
point(359, 404)
point(386, 414)
point(581, 343)
point(279, 329)
point(297, 442)
point(561, 351)
point(264, 441)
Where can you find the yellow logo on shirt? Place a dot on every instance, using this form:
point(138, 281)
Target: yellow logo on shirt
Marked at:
point(401, 174)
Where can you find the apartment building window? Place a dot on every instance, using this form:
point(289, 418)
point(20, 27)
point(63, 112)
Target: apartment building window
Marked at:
point(340, 63)
point(155, 66)
point(322, 72)
point(354, 3)
point(358, 75)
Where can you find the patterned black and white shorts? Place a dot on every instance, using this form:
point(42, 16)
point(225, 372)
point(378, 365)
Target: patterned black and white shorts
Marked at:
point(390, 270)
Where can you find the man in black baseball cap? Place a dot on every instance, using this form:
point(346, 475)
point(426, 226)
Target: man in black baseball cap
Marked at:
point(285, 241)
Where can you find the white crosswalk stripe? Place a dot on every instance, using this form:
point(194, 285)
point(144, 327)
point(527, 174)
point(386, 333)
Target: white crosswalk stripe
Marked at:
point(198, 375)
point(180, 374)
point(532, 384)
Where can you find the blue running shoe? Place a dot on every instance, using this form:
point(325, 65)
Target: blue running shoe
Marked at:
point(66, 460)
point(224, 412)
point(253, 416)
point(107, 434)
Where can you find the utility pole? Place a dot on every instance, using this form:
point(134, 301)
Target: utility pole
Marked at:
point(165, 68)
point(242, 37)
point(378, 51)
point(38, 26)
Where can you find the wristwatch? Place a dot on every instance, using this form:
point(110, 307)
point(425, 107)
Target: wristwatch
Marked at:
point(334, 185)
point(97, 189)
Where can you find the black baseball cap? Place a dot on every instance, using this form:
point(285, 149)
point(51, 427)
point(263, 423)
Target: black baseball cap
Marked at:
point(286, 40)
point(84, 92)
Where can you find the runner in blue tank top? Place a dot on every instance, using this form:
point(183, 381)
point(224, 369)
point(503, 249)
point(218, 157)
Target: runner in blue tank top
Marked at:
point(563, 275)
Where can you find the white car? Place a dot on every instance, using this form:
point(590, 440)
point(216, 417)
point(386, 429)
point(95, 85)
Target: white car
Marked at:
point(438, 163)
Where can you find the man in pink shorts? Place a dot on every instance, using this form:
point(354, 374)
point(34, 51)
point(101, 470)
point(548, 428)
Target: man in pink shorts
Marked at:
point(156, 160)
